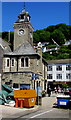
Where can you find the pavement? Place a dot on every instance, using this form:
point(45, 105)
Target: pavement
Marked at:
point(49, 101)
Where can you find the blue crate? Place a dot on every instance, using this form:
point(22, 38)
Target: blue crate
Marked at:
point(63, 101)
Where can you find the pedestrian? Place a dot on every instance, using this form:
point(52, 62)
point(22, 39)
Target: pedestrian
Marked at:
point(59, 90)
point(55, 89)
point(49, 91)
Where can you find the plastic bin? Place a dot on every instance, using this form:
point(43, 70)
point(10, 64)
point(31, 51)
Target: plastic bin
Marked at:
point(63, 101)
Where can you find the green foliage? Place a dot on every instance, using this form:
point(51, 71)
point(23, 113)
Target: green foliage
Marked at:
point(65, 85)
point(0, 34)
point(36, 37)
point(50, 28)
point(41, 35)
point(58, 36)
point(44, 36)
point(47, 56)
point(52, 45)
point(5, 36)
point(59, 33)
point(63, 53)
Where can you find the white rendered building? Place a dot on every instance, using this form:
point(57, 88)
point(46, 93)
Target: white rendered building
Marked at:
point(59, 70)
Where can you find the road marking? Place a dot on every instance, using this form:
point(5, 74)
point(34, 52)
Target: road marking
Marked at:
point(41, 113)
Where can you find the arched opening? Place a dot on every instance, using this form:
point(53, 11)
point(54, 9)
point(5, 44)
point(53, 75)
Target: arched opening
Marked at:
point(22, 62)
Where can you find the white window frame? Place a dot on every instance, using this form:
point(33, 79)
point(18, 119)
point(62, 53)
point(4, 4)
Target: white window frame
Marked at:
point(49, 76)
point(49, 68)
point(68, 67)
point(59, 68)
point(21, 63)
point(6, 62)
point(59, 76)
point(25, 62)
point(68, 76)
point(13, 63)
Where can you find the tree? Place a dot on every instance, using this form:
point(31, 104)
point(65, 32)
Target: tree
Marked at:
point(44, 36)
point(36, 37)
point(50, 28)
point(70, 32)
point(65, 30)
point(5, 36)
point(41, 36)
point(59, 33)
point(58, 36)
point(0, 34)
point(48, 56)
point(63, 56)
point(11, 39)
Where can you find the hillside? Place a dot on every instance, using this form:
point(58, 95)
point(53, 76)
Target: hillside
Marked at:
point(60, 33)
point(63, 53)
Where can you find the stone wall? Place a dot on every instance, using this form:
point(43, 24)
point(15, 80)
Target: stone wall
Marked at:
point(17, 66)
point(20, 39)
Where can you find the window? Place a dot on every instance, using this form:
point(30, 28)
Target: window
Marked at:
point(68, 76)
point(25, 62)
point(22, 62)
point(49, 68)
point(22, 17)
point(49, 76)
point(68, 67)
point(59, 67)
point(15, 85)
point(59, 76)
point(12, 62)
point(8, 63)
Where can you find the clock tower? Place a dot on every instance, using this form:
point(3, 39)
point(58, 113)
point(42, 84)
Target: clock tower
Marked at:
point(23, 30)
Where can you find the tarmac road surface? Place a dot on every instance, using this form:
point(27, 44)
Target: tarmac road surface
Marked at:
point(43, 112)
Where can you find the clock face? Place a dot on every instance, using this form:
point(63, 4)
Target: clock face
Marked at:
point(21, 32)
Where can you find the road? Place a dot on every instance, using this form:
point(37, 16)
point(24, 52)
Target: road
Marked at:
point(45, 111)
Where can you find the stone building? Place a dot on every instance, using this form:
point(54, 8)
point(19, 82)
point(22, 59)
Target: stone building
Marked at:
point(4, 47)
point(24, 64)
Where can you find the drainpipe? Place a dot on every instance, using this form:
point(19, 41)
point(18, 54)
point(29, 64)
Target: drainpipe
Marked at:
point(0, 81)
point(17, 64)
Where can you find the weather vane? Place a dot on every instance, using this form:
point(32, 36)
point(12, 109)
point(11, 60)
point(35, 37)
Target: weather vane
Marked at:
point(24, 6)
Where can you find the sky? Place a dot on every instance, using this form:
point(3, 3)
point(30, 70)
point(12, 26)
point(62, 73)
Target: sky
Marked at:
point(43, 14)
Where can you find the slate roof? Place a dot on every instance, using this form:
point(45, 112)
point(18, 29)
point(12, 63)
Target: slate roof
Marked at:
point(5, 45)
point(25, 49)
point(1, 56)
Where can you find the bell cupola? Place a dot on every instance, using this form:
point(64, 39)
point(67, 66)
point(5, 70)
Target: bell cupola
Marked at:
point(24, 17)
